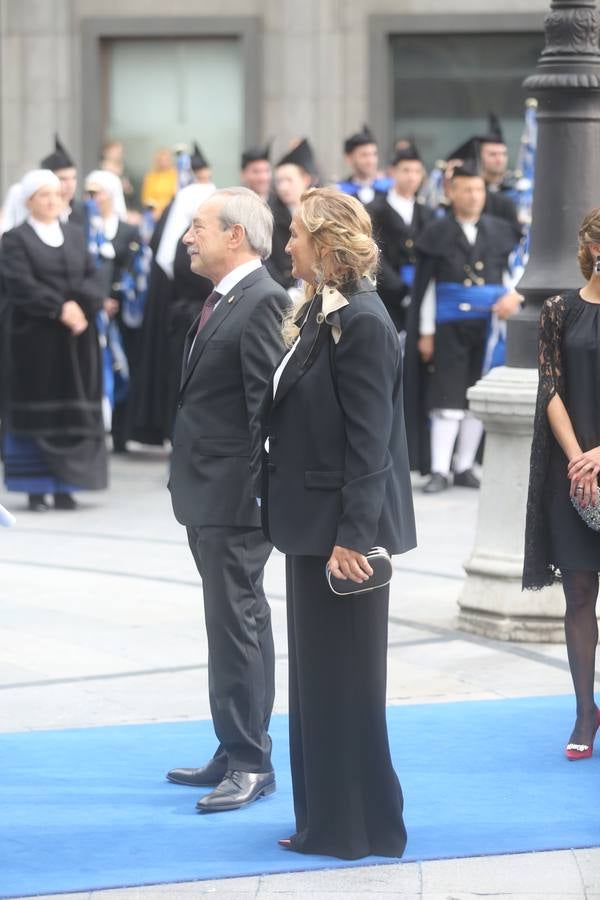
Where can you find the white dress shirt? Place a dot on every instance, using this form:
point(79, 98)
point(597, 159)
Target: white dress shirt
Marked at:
point(229, 281)
point(404, 206)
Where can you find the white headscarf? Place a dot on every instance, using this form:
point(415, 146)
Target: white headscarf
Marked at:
point(35, 179)
point(180, 216)
point(14, 211)
point(110, 183)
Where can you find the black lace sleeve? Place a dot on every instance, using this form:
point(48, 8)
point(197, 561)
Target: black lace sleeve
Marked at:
point(539, 570)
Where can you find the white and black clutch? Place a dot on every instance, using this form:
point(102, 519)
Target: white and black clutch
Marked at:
point(381, 563)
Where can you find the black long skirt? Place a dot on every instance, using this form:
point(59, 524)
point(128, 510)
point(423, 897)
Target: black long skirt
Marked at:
point(347, 798)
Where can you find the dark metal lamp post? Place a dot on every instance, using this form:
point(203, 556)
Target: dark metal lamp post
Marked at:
point(566, 85)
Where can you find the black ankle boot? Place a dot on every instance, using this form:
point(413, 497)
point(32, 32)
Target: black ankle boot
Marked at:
point(64, 501)
point(37, 503)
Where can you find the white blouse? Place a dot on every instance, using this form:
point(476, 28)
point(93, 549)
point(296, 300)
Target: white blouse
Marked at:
point(50, 233)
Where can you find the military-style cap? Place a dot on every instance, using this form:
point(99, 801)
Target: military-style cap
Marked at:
point(469, 169)
point(256, 154)
point(469, 150)
point(365, 136)
point(300, 155)
point(406, 154)
point(58, 159)
point(198, 159)
point(494, 133)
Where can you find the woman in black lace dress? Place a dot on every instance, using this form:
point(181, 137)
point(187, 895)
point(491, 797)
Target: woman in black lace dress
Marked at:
point(565, 463)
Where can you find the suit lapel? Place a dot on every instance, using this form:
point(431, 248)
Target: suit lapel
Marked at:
point(226, 305)
point(313, 336)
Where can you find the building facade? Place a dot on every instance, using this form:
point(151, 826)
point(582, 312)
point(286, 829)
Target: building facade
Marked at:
point(231, 73)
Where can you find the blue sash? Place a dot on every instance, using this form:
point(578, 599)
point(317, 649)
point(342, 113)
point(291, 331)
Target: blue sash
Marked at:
point(407, 274)
point(476, 301)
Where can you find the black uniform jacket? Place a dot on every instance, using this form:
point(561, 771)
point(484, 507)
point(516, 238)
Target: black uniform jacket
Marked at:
point(125, 244)
point(337, 468)
point(215, 465)
point(397, 242)
point(499, 204)
point(445, 255)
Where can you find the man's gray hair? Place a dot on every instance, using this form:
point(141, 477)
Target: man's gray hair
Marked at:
point(241, 206)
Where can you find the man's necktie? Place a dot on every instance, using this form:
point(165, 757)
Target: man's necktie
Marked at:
point(208, 309)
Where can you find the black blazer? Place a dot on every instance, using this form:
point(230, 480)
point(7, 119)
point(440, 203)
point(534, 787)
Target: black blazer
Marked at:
point(397, 242)
point(337, 469)
point(215, 464)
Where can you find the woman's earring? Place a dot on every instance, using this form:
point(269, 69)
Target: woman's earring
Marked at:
point(597, 265)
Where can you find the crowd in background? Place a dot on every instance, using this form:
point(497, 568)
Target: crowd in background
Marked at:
point(136, 296)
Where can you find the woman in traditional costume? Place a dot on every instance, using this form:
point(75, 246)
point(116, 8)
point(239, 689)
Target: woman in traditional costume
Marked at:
point(53, 434)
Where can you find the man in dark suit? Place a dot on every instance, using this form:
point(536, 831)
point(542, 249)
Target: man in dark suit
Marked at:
point(398, 218)
point(229, 355)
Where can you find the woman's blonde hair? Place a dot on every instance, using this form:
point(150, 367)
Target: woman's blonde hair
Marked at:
point(589, 233)
point(342, 235)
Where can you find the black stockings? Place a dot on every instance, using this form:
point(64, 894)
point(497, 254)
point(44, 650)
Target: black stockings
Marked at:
point(581, 631)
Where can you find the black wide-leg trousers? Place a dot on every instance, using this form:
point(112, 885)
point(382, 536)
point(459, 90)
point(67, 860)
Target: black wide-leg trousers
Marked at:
point(347, 798)
point(241, 655)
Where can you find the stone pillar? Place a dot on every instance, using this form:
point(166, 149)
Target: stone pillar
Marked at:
point(36, 83)
point(491, 602)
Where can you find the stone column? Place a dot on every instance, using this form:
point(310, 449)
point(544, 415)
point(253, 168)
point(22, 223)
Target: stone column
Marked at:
point(492, 602)
point(36, 84)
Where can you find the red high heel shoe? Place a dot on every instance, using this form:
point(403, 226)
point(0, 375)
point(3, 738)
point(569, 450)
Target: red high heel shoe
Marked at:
point(583, 751)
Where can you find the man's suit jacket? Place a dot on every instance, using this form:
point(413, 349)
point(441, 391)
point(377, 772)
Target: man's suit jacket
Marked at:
point(337, 469)
point(215, 465)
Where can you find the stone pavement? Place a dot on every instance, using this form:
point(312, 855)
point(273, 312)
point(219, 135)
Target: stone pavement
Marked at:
point(91, 634)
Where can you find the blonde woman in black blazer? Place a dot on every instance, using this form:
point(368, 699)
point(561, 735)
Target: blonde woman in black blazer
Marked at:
point(336, 483)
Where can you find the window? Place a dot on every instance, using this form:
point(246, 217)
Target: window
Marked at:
point(445, 85)
point(164, 92)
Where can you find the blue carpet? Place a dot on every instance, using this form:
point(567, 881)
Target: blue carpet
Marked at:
point(88, 808)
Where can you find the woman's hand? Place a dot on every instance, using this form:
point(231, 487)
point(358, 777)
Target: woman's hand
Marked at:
point(73, 317)
point(583, 472)
point(345, 563)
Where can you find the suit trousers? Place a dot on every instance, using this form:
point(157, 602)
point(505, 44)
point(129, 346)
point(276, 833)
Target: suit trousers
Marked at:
point(241, 655)
point(347, 797)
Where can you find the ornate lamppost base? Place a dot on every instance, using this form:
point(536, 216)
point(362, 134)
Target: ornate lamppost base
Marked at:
point(491, 602)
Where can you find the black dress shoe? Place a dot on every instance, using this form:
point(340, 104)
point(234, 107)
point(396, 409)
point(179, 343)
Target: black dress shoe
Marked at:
point(468, 478)
point(209, 775)
point(436, 483)
point(64, 501)
point(237, 789)
point(37, 503)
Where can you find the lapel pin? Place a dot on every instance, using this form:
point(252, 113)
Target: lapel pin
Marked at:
point(231, 299)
